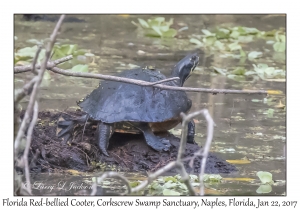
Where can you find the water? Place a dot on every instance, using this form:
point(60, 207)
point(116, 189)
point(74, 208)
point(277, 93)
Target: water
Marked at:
point(244, 130)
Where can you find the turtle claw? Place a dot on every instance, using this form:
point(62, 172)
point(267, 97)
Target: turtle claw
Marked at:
point(65, 129)
point(104, 152)
point(166, 144)
point(160, 144)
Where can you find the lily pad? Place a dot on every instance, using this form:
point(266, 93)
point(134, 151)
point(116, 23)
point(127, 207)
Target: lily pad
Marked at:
point(234, 46)
point(265, 177)
point(254, 54)
point(279, 46)
point(196, 41)
point(170, 192)
point(157, 27)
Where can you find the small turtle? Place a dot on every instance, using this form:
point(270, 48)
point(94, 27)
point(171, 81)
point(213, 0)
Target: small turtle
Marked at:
point(124, 107)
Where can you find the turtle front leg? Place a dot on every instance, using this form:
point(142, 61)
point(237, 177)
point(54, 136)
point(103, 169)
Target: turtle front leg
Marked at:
point(191, 132)
point(152, 140)
point(103, 133)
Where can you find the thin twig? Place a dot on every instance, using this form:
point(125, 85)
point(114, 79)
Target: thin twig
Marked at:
point(165, 80)
point(28, 143)
point(50, 64)
point(21, 93)
point(35, 60)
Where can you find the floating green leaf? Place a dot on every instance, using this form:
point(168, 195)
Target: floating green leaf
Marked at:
point(157, 27)
point(170, 192)
point(169, 33)
point(219, 45)
point(209, 41)
point(212, 178)
point(80, 68)
point(265, 177)
point(207, 32)
point(170, 184)
point(223, 33)
point(242, 53)
point(196, 41)
point(235, 34)
point(27, 53)
point(265, 72)
point(155, 186)
point(238, 71)
point(170, 178)
point(143, 23)
point(134, 184)
point(220, 71)
point(279, 46)
point(254, 54)
point(234, 46)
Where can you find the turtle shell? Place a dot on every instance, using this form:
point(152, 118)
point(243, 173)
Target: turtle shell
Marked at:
point(117, 101)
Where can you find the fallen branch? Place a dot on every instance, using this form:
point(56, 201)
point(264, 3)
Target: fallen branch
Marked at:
point(144, 83)
point(51, 65)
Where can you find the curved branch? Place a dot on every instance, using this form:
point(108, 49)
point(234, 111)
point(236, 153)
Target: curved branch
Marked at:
point(144, 83)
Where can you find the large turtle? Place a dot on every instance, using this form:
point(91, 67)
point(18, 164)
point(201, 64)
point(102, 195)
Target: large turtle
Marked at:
point(118, 106)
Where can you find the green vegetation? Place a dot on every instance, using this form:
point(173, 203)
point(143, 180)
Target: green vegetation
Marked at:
point(157, 27)
point(262, 71)
point(266, 182)
point(173, 185)
point(24, 56)
point(231, 39)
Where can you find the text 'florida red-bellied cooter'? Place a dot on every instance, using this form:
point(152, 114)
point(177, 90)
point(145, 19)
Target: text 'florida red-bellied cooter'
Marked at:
point(124, 107)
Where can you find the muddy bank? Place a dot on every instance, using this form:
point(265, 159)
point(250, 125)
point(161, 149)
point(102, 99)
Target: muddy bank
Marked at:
point(128, 152)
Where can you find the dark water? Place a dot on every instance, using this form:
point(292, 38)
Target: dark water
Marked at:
point(243, 131)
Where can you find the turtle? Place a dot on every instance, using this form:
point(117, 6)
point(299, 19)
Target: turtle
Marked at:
point(123, 107)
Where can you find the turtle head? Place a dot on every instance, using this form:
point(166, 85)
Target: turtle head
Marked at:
point(185, 67)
